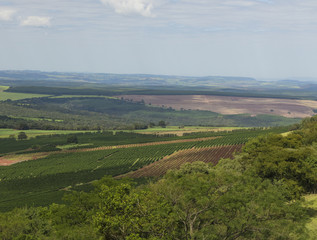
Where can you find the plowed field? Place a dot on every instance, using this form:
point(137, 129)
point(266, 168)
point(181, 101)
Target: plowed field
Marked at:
point(174, 161)
point(232, 105)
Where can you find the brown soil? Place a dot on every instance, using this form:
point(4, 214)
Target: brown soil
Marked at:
point(12, 159)
point(174, 161)
point(232, 105)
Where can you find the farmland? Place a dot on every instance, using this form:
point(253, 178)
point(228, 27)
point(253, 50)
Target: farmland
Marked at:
point(97, 108)
point(289, 108)
point(6, 133)
point(175, 160)
point(52, 171)
point(236, 160)
point(17, 96)
point(180, 131)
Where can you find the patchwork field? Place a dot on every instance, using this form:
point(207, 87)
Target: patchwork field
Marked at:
point(16, 158)
point(231, 105)
point(41, 175)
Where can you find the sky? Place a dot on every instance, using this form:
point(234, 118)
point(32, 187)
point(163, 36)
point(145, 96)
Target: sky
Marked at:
point(264, 39)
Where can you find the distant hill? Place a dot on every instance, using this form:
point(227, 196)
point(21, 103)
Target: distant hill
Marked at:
point(245, 86)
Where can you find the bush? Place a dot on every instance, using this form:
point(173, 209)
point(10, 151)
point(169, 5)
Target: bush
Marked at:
point(22, 136)
point(72, 139)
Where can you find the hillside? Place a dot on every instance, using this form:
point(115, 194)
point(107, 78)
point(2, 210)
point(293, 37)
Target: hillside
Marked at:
point(256, 194)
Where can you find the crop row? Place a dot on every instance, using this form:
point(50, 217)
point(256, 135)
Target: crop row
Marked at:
point(30, 182)
point(208, 155)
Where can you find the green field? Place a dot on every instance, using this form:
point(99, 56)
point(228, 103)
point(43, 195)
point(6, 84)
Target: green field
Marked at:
point(5, 133)
point(186, 129)
point(29, 182)
point(2, 88)
point(312, 225)
point(17, 96)
point(80, 96)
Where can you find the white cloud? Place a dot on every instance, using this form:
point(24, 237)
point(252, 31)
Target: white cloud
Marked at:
point(6, 14)
point(142, 7)
point(36, 21)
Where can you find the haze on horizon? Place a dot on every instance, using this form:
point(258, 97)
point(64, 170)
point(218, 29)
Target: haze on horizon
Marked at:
point(253, 38)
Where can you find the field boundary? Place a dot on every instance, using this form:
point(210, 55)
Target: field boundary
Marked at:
point(140, 144)
point(11, 159)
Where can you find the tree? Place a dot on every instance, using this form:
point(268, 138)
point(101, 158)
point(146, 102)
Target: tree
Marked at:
point(200, 201)
point(72, 139)
point(23, 126)
point(162, 124)
point(22, 136)
point(223, 203)
point(283, 159)
point(25, 223)
point(127, 213)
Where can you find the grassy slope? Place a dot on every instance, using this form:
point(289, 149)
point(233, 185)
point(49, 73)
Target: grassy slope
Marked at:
point(17, 96)
point(312, 226)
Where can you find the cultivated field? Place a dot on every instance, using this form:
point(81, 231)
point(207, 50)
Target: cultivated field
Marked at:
point(174, 161)
point(16, 158)
point(41, 175)
point(232, 105)
point(16, 96)
point(179, 131)
point(5, 132)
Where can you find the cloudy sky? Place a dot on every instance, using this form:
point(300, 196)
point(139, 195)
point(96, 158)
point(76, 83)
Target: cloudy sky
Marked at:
point(256, 38)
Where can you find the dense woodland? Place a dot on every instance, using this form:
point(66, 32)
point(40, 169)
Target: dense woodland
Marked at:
point(257, 195)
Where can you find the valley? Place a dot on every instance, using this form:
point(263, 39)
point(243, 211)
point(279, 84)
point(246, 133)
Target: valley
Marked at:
point(62, 147)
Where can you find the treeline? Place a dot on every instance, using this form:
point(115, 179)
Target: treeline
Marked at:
point(257, 195)
point(113, 91)
point(84, 113)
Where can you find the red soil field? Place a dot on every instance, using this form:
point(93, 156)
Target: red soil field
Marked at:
point(174, 161)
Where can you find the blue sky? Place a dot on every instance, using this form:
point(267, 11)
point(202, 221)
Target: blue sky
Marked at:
point(256, 38)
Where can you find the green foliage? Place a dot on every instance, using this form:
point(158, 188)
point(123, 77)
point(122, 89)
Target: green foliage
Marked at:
point(72, 139)
point(196, 202)
point(29, 182)
point(308, 130)
point(220, 203)
point(162, 124)
point(22, 136)
point(25, 224)
point(282, 159)
point(290, 159)
point(94, 113)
